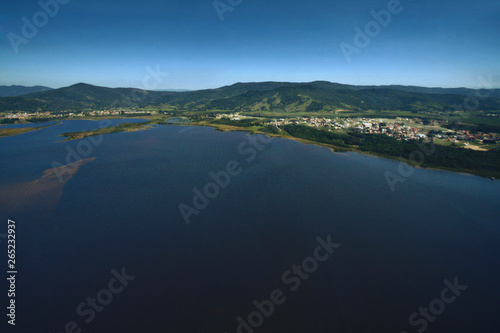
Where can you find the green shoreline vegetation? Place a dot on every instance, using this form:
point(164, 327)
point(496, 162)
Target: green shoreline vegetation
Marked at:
point(481, 163)
point(15, 131)
point(442, 156)
point(124, 127)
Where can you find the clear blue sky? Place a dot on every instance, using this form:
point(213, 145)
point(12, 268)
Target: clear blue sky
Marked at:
point(111, 43)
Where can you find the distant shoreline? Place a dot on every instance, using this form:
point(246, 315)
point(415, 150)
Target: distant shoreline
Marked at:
point(4, 132)
point(152, 122)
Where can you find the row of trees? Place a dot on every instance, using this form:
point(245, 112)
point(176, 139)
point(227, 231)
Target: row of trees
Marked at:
point(482, 162)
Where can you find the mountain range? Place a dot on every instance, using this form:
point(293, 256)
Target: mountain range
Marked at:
point(256, 96)
point(6, 91)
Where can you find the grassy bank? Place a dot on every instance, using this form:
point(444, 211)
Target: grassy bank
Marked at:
point(125, 127)
point(483, 163)
point(15, 131)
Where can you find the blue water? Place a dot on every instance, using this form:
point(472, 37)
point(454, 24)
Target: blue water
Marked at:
point(121, 211)
point(29, 124)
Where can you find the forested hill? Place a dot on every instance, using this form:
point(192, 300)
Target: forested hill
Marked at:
point(260, 96)
point(6, 91)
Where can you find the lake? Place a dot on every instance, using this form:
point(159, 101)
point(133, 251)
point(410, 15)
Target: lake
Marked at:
point(186, 229)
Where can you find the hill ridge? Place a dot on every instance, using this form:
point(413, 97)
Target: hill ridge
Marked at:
point(254, 96)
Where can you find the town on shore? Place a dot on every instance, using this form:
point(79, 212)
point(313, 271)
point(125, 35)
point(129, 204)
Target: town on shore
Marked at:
point(401, 128)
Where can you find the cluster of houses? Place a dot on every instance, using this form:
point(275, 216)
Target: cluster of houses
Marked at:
point(232, 116)
point(397, 129)
point(25, 115)
point(312, 121)
point(48, 114)
point(117, 112)
point(405, 132)
point(465, 135)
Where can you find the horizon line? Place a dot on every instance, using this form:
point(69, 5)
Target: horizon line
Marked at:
point(248, 82)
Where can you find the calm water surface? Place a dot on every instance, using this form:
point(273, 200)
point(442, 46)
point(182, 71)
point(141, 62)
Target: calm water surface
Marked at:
point(121, 210)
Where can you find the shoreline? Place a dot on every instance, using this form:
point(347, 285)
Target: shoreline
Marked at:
point(6, 132)
point(336, 150)
point(151, 122)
